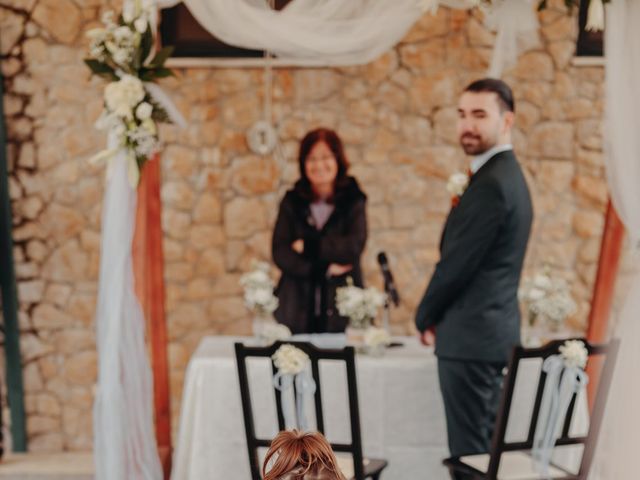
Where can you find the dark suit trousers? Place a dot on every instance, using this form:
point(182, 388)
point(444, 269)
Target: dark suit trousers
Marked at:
point(471, 395)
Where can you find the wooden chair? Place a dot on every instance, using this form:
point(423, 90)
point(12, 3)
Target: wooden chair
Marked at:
point(363, 468)
point(512, 459)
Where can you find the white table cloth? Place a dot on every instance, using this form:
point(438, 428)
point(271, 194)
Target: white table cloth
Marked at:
point(401, 411)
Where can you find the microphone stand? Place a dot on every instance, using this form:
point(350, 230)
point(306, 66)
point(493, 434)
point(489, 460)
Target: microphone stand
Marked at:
point(386, 314)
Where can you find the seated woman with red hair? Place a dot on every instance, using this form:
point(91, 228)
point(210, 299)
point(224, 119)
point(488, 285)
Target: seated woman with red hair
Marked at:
point(295, 455)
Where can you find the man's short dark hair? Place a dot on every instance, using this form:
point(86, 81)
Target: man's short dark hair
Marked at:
point(500, 88)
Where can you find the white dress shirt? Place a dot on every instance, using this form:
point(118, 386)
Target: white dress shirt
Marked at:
point(479, 160)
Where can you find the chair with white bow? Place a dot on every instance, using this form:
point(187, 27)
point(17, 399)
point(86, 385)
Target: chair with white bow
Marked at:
point(559, 404)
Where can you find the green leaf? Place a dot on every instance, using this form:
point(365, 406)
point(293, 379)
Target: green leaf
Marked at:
point(146, 43)
point(161, 56)
point(100, 68)
point(149, 74)
point(163, 72)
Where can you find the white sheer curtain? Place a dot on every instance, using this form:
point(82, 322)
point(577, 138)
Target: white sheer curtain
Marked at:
point(353, 32)
point(124, 439)
point(618, 447)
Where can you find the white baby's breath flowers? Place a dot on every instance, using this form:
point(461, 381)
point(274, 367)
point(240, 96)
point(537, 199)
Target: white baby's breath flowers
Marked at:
point(290, 360)
point(547, 297)
point(376, 337)
point(574, 353)
point(258, 289)
point(457, 184)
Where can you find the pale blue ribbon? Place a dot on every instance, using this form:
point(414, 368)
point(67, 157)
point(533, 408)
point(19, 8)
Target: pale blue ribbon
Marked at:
point(561, 384)
point(305, 385)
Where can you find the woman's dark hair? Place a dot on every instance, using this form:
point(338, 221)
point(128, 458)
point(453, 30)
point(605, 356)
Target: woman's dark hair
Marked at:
point(334, 143)
point(497, 86)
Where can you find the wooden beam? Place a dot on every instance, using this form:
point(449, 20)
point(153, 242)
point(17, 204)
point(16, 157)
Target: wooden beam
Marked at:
point(604, 287)
point(9, 297)
point(149, 272)
point(603, 292)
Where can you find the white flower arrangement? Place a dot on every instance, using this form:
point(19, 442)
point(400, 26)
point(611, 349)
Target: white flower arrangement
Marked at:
point(121, 52)
point(574, 353)
point(359, 304)
point(548, 298)
point(376, 337)
point(258, 289)
point(457, 184)
point(290, 360)
point(273, 332)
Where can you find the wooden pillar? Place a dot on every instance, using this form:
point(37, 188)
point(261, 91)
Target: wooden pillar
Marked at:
point(604, 287)
point(149, 273)
point(604, 290)
point(9, 299)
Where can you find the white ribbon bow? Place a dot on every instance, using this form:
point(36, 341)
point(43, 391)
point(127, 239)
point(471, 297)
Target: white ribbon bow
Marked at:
point(563, 381)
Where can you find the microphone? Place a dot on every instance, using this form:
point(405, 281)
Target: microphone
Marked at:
point(389, 286)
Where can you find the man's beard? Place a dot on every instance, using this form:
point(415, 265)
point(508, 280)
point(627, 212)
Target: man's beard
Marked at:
point(478, 146)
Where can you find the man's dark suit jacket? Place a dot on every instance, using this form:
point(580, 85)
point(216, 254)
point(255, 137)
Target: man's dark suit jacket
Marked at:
point(472, 298)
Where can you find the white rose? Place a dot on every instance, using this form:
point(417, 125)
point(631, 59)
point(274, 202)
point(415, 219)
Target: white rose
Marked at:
point(122, 34)
point(121, 96)
point(144, 110)
point(457, 184)
point(121, 56)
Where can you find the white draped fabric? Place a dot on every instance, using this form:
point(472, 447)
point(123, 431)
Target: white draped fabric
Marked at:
point(124, 439)
point(354, 32)
point(618, 447)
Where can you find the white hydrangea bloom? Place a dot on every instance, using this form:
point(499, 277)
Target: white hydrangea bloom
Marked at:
point(122, 96)
point(290, 360)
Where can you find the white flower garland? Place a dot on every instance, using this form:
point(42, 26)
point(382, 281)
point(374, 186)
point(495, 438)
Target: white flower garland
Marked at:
point(121, 52)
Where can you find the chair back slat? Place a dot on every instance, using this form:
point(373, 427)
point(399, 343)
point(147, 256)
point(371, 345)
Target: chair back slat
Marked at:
point(500, 445)
point(315, 371)
point(346, 355)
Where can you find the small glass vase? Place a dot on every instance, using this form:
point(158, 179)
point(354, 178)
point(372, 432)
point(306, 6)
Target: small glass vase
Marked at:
point(259, 325)
point(355, 335)
point(376, 350)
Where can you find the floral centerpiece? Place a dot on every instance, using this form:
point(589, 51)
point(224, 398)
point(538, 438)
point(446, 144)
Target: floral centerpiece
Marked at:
point(259, 299)
point(122, 53)
point(361, 306)
point(547, 300)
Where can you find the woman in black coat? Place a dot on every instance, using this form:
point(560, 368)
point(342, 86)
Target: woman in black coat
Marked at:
point(319, 236)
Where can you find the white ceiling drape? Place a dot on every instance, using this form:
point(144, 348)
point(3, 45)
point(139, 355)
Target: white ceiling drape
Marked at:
point(354, 32)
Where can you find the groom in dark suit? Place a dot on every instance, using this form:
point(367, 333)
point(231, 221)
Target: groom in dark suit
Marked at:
point(471, 301)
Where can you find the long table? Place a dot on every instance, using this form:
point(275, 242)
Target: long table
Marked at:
point(401, 412)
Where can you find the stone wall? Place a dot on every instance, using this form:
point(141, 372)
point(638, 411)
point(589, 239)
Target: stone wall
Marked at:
point(396, 116)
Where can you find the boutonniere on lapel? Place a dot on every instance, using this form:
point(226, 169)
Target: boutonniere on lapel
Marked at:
point(457, 184)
